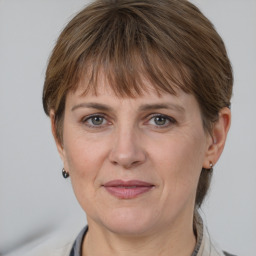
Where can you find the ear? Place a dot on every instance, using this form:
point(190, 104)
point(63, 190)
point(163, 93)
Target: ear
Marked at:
point(218, 138)
point(58, 143)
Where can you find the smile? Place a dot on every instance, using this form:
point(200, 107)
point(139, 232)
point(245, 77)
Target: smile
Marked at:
point(127, 189)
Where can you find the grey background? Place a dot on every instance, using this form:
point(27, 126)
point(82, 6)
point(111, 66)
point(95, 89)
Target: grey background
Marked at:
point(37, 206)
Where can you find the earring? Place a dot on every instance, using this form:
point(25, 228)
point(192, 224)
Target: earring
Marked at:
point(211, 166)
point(64, 173)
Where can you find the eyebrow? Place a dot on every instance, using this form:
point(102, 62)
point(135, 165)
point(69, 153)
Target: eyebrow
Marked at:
point(98, 106)
point(144, 107)
point(162, 106)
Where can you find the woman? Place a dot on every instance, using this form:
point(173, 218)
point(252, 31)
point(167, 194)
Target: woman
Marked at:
point(138, 93)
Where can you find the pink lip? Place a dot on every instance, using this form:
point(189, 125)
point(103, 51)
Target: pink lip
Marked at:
point(127, 189)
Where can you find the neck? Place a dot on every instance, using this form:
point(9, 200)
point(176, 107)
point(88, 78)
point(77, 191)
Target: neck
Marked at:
point(178, 241)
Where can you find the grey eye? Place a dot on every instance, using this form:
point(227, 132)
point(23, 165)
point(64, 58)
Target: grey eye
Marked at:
point(97, 120)
point(160, 120)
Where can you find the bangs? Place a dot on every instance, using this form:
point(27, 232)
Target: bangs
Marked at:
point(123, 44)
point(126, 50)
point(131, 74)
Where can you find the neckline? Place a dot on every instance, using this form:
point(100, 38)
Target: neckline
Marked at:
point(76, 249)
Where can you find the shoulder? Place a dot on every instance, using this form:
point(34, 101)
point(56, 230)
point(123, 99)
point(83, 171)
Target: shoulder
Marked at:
point(208, 246)
point(62, 251)
point(43, 249)
point(228, 254)
point(211, 248)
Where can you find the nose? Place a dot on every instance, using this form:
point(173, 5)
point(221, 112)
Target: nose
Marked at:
point(127, 149)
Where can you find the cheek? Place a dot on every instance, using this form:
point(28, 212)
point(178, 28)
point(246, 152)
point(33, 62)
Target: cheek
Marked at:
point(85, 160)
point(84, 156)
point(178, 162)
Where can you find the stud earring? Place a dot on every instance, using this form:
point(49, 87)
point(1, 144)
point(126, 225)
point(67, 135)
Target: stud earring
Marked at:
point(211, 166)
point(64, 173)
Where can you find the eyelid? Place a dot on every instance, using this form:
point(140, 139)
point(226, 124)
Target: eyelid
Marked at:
point(84, 120)
point(170, 119)
point(148, 118)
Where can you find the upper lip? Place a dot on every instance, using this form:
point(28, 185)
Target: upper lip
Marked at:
point(129, 183)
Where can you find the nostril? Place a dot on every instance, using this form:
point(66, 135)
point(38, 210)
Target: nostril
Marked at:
point(136, 163)
point(126, 163)
point(132, 164)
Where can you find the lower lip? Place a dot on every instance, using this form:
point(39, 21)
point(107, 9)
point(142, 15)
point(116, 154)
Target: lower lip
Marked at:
point(128, 193)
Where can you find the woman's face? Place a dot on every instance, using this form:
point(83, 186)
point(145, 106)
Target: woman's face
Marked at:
point(134, 163)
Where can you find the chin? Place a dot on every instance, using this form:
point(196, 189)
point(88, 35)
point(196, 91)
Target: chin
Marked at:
point(129, 221)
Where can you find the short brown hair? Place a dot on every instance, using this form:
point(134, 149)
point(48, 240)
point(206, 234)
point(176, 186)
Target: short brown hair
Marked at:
point(169, 42)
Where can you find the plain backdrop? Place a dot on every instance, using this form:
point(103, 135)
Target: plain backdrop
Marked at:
point(37, 206)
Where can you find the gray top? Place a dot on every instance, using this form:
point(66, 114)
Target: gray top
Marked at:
point(77, 246)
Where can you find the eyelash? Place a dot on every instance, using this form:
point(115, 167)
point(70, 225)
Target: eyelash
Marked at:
point(86, 120)
point(168, 119)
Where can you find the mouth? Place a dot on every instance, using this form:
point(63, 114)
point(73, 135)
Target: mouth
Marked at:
point(127, 189)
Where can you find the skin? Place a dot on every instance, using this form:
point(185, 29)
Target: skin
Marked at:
point(136, 139)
